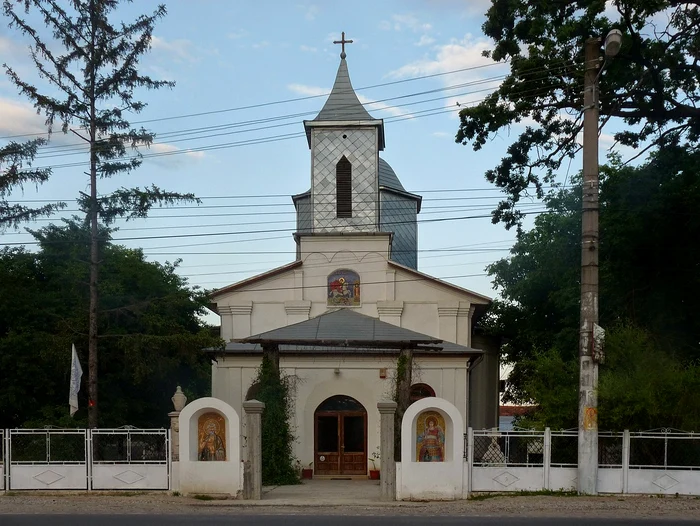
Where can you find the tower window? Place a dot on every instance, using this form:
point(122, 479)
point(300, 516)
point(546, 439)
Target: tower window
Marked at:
point(343, 188)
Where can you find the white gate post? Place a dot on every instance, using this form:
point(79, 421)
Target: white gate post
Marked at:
point(470, 459)
point(547, 457)
point(625, 460)
point(88, 457)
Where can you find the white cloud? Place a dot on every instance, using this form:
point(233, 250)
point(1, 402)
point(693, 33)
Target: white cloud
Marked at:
point(310, 11)
point(406, 21)
point(180, 48)
point(442, 134)
point(261, 45)
point(311, 91)
point(425, 40)
point(235, 35)
point(456, 55)
point(19, 118)
point(308, 49)
point(169, 160)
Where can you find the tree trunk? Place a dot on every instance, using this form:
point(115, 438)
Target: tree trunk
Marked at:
point(402, 396)
point(94, 250)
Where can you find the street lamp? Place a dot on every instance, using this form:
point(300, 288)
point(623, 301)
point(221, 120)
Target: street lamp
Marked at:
point(589, 354)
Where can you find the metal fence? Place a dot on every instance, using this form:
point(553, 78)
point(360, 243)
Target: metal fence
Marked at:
point(86, 459)
point(666, 449)
point(662, 461)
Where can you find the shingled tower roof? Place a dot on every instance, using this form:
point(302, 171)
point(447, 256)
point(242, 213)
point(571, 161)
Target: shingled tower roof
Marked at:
point(342, 103)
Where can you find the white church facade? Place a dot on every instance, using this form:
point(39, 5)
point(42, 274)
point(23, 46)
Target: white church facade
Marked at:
point(341, 312)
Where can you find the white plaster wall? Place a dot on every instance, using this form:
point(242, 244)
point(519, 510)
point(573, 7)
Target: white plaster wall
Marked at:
point(213, 476)
point(432, 480)
point(358, 378)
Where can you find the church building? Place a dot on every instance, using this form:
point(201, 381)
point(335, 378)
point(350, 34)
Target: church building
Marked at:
point(341, 312)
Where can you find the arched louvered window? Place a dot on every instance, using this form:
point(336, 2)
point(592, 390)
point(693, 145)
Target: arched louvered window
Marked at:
point(343, 188)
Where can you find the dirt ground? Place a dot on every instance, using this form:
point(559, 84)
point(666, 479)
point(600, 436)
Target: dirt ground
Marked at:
point(529, 506)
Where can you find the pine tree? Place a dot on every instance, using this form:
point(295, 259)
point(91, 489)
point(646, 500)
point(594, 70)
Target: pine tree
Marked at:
point(89, 63)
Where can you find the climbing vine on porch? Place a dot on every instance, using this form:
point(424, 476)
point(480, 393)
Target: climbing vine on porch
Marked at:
point(275, 391)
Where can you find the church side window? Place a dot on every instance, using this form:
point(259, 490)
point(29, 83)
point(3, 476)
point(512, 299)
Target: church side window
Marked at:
point(343, 188)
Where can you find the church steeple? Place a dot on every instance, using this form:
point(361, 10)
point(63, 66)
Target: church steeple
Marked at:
point(342, 103)
point(343, 107)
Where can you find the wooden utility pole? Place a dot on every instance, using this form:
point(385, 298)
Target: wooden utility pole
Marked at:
point(588, 379)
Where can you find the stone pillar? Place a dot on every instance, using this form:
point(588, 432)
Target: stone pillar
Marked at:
point(387, 410)
point(252, 480)
point(179, 400)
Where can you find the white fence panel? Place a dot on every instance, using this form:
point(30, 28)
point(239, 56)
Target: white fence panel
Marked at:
point(47, 459)
point(49, 477)
point(129, 476)
point(129, 458)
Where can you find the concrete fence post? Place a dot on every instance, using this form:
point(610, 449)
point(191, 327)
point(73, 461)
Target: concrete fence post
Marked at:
point(179, 401)
point(547, 457)
point(387, 464)
point(626, 445)
point(470, 459)
point(252, 482)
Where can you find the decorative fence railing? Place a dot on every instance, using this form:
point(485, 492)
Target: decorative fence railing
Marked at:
point(664, 461)
point(85, 459)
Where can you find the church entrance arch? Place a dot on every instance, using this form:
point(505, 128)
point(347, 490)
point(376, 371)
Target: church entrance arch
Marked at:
point(340, 437)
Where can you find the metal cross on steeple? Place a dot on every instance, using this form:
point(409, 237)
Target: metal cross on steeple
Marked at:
point(342, 42)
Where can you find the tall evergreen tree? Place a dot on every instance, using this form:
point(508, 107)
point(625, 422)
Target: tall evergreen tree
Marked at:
point(89, 63)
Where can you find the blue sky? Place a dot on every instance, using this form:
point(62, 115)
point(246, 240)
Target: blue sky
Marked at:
point(227, 55)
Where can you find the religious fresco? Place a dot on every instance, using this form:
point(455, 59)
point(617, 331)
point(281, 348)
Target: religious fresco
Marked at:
point(212, 437)
point(344, 289)
point(430, 437)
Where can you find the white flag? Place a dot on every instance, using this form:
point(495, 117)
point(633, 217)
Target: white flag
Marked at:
point(76, 373)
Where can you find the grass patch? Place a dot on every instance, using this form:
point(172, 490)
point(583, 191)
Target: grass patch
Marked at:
point(176, 493)
point(203, 497)
point(11, 494)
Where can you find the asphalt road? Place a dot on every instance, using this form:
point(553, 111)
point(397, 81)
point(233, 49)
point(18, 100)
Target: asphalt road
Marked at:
point(313, 520)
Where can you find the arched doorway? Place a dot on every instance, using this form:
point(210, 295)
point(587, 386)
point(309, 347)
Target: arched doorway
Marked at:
point(340, 437)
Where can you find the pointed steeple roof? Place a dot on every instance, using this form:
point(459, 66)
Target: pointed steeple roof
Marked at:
point(342, 103)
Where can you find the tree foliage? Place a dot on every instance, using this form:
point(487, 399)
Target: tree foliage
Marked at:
point(277, 438)
point(16, 172)
point(653, 84)
point(89, 65)
point(150, 332)
point(649, 297)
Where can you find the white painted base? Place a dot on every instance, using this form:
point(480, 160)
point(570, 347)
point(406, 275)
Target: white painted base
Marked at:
point(210, 477)
point(429, 480)
point(129, 476)
point(175, 476)
point(49, 477)
point(2, 476)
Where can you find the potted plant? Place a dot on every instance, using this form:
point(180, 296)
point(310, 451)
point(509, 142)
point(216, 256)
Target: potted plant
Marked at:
point(374, 472)
point(308, 472)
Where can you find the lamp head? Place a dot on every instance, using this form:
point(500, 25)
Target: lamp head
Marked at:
point(613, 42)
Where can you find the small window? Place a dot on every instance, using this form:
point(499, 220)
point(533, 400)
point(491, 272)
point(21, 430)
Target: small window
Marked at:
point(343, 188)
point(419, 391)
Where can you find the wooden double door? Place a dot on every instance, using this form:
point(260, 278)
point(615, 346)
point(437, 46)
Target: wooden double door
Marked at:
point(340, 438)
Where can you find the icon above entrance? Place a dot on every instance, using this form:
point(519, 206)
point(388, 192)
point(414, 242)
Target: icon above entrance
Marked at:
point(340, 437)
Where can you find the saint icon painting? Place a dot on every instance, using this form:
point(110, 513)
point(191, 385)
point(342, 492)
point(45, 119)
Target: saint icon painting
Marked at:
point(344, 289)
point(430, 437)
point(212, 437)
